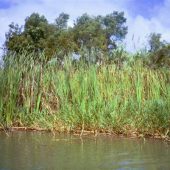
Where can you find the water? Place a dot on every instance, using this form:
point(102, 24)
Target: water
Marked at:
point(43, 151)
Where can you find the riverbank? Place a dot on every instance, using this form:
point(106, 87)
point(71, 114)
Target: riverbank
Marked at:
point(95, 133)
point(131, 100)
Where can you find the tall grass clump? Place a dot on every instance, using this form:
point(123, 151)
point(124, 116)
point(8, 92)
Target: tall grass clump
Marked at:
point(84, 96)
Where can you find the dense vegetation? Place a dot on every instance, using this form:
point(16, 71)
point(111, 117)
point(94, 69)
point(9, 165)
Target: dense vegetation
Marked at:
point(38, 35)
point(68, 78)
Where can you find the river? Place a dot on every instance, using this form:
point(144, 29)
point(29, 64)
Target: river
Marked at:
point(45, 151)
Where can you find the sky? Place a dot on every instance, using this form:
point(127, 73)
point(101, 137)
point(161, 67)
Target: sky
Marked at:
point(143, 16)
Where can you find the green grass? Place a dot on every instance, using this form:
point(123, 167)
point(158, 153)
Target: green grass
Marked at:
point(91, 97)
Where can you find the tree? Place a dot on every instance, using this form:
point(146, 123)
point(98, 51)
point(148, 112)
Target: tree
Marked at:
point(161, 58)
point(13, 38)
point(159, 51)
point(100, 33)
point(62, 20)
point(114, 28)
point(97, 34)
point(107, 29)
point(155, 42)
point(36, 28)
point(31, 38)
point(88, 32)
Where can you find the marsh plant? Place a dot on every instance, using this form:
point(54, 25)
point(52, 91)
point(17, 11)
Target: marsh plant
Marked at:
point(81, 95)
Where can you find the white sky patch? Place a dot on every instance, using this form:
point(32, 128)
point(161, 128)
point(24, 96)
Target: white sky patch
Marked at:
point(138, 27)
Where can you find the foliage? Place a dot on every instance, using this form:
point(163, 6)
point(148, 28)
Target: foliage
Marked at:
point(84, 96)
point(162, 57)
point(99, 33)
point(159, 51)
point(61, 21)
point(155, 42)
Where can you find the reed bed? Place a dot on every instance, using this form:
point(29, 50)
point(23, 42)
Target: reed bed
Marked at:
point(69, 97)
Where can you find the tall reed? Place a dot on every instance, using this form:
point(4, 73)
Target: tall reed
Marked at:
point(85, 96)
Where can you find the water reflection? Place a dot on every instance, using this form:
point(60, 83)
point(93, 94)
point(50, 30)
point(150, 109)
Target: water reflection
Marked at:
point(43, 151)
